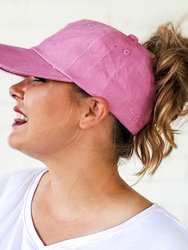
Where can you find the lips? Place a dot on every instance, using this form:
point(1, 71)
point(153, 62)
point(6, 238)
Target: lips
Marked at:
point(21, 117)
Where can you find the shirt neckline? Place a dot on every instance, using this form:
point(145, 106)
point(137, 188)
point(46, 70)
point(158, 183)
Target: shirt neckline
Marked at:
point(78, 241)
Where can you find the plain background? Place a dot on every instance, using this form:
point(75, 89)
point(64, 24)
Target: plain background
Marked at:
point(27, 22)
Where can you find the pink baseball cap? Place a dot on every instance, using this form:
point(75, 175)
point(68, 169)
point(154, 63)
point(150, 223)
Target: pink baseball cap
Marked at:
point(99, 59)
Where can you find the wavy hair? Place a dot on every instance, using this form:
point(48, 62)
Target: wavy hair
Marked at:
point(170, 66)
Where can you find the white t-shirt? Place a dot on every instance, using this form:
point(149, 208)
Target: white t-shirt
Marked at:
point(151, 229)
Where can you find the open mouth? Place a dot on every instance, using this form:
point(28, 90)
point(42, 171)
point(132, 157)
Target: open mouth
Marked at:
point(20, 119)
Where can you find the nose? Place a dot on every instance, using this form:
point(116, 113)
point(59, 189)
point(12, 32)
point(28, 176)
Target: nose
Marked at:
point(17, 91)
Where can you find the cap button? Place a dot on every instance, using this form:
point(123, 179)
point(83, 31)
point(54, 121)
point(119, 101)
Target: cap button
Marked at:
point(133, 37)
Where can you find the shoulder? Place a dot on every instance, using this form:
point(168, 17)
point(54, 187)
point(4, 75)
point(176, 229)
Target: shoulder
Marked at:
point(18, 182)
point(165, 230)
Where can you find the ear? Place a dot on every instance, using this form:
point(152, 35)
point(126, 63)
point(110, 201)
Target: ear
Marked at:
point(95, 110)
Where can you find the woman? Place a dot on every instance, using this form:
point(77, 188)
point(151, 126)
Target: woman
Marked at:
point(89, 96)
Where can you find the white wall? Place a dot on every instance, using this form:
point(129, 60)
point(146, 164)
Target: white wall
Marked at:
point(27, 22)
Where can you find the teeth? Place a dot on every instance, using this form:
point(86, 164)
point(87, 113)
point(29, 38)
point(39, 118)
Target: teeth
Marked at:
point(22, 117)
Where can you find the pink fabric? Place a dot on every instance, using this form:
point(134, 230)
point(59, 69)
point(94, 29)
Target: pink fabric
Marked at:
point(101, 60)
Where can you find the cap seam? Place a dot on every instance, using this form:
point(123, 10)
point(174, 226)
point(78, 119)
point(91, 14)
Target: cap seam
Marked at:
point(52, 64)
point(90, 46)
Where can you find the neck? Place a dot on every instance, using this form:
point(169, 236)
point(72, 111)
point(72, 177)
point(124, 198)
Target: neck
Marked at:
point(78, 182)
point(82, 176)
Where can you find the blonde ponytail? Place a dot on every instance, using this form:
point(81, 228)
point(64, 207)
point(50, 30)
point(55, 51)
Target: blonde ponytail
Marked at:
point(170, 65)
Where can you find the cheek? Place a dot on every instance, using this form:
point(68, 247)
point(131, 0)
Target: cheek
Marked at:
point(51, 116)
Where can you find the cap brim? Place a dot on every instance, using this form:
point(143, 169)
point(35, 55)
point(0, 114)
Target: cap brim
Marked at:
point(26, 62)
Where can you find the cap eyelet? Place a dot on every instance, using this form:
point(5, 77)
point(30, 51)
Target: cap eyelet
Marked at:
point(126, 52)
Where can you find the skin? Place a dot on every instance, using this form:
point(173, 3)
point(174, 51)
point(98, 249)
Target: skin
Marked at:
point(82, 183)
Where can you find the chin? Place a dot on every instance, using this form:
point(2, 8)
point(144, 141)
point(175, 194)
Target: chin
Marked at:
point(13, 142)
point(17, 143)
point(25, 148)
